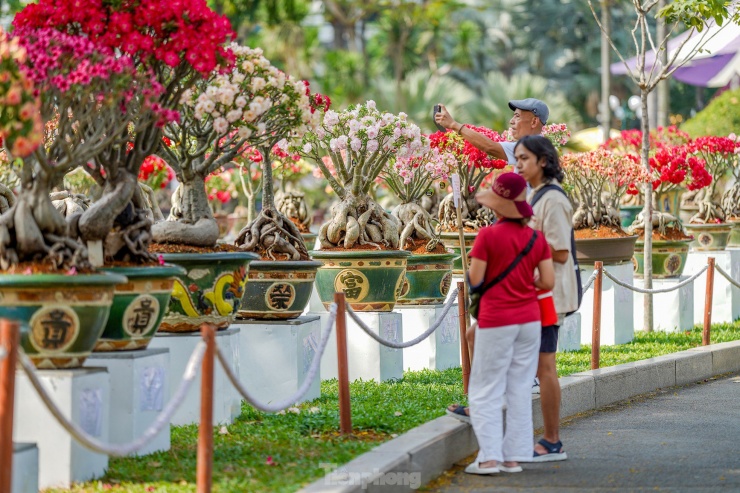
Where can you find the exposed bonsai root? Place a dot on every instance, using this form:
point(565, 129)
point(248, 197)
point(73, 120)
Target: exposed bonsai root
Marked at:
point(660, 222)
point(731, 201)
point(130, 242)
point(152, 208)
point(708, 213)
point(474, 215)
point(7, 198)
point(203, 233)
point(359, 222)
point(272, 233)
point(292, 205)
point(417, 224)
point(593, 217)
point(69, 204)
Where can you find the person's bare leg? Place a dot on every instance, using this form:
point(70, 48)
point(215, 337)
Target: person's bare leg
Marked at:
point(549, 399)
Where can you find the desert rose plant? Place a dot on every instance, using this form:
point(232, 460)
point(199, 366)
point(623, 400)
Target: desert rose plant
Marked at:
point(409, 179)
point(359, 143)
point(719, 154)
point(731, 197)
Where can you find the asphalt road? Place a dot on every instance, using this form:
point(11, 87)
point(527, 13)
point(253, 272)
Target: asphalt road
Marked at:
point(678, 440)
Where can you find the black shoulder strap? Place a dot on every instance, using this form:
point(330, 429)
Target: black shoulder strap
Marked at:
point(539, 193)
point(511, 267)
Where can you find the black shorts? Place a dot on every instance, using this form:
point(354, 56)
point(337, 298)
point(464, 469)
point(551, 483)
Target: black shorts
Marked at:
point(549, 342)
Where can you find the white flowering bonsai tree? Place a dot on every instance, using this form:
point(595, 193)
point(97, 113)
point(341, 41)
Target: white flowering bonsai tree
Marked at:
point(254, 104)
point(360, 142)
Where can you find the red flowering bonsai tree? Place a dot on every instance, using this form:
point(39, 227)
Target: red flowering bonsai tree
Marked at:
point(731, 197)
point(473, 166)
point(719, 154)
point(171, 45)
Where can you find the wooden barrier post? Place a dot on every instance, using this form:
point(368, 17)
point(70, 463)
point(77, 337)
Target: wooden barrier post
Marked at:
point(462, 317)
point(345, 409)
point(9, 336)
point(596, 327)
point(204, 471)
point(709, 294)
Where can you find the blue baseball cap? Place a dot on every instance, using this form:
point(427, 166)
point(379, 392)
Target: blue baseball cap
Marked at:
point(531, 104)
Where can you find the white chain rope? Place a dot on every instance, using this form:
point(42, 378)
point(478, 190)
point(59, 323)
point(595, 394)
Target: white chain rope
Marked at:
point(654, 291)
point(118, 450)
point(310, 375)
point(726, 275)
point(590, 280)
point(402, 345)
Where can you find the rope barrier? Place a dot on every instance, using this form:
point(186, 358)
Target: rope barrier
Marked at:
point(726, 275)
point(654, 291)
point(307, 382)
point(118, 450)
point(590, 280)
point(417, 340)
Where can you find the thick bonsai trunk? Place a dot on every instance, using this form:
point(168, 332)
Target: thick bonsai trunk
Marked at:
point(473, 215)
point(32, 229)
point(359, 221)
point(191, 221)
point(96, 222)
point(292, 204)
point(416, 224)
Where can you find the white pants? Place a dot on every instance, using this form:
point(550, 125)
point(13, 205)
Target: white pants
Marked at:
point(504, 366)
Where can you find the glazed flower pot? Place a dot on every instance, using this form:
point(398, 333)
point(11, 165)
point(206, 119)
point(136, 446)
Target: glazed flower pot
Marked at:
point(608, 250)
point(669, 258)
point(209, 292)
point(734, 240)
point(452, 241)
point(709, 237)
point(371, 280)
point(670, 201)
point(277, 289)
point(309, 239)
point(628, 213)
point(138, 306)
point(61, 316)
point(428, 279)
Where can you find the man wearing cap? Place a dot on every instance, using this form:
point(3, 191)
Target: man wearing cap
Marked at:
point(530, 115)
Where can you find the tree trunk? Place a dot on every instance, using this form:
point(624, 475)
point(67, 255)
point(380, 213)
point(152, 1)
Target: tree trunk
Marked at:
point(663, 88)
point(191, 221)
point(268, 194)
point(648, 213)
point(98, 220)
point(606, 76)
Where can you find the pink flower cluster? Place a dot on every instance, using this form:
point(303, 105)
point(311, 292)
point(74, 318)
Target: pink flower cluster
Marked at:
point(557, 133)
point(410, 177)
point(174, 32)
point(21, 127)
point(601, 170)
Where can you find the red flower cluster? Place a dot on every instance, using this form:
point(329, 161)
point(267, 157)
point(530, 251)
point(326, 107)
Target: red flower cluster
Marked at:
point(172, 32)
point(155, 172)
point(630, 141)
point(318, 101)
point(675, 166)
point(464, 151)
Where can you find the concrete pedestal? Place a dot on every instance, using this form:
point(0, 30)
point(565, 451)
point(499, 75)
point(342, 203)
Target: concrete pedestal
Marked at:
point(25, 468)
point(83, 396)
point(453, 285)
point(367, 358)
point(439, 351)
point(569, 334)
point(726, 297)
point(275, 356)
point(226, 400)
point(617, 306)
point(139, 383)
point(672, 311)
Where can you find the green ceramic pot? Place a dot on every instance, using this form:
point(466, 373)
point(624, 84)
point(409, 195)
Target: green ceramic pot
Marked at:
point(309, 239)
point(670, 201)
point(452, 242)
point(669, 258)
point(138, 306)
point(428, 279)
point(608, 250)
point(210, 291)
point(371, 280)
point(278, 289)
point(734, 240)
point(61, 316)
point(628, 213)
point(709, 237)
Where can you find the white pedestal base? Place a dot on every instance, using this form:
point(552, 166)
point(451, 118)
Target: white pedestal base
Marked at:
point(367, 358)
point(275, 356)
point(725, 297)
point(226, 400)
point(453, 285)
point(25, 468)
point(83, 396)
point(569, 334)
point(617, 307)
point(672, 311)
point(439, 351)
point(139, 384)
point(315, 306)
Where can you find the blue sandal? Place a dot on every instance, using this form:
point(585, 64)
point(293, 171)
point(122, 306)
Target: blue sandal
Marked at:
point(554, 452)
point(459, 412)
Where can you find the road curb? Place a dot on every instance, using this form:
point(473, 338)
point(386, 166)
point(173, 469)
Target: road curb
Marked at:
point(423, 453)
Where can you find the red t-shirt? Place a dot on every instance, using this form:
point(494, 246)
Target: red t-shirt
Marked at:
point(513, 300)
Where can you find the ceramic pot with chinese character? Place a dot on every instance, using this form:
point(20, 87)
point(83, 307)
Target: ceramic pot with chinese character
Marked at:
point(669, 258)
point(709, 237)
point(371, 280)
point(138, 306)
point(428, 279)
point(61, 316)
point(277, 289)
point(452, 242)
point(209, 292)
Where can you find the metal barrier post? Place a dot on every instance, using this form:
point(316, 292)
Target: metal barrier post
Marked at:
point(596, 327)
point(345, 410)
point(705, 334)
point(462, 317)
point(9, 336)
point(204, 471)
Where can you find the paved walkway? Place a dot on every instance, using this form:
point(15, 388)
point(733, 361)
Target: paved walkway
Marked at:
point(679, 440)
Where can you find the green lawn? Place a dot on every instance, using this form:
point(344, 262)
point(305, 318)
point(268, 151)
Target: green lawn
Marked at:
point(263, 452)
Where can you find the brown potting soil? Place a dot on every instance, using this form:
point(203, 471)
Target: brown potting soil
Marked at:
point(600, 232)
point(359, 247)
point(301, 227)
point(671, 234)
point(419, 247)
point(177, 248)
point(465, 230)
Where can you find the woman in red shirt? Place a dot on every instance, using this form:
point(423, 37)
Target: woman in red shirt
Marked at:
point(507, 339)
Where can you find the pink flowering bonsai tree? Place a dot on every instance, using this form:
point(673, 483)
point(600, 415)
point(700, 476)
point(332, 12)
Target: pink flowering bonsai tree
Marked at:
point(171, 45)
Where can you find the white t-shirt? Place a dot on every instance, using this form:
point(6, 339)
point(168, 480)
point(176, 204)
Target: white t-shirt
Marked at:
point(509, 150)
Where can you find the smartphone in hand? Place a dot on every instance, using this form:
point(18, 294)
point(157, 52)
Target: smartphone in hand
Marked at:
point(439, 127)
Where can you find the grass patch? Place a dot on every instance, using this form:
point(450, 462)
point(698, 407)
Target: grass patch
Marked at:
point(263, 452)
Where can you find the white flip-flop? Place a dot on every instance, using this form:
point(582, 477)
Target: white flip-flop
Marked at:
point(474, 468)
